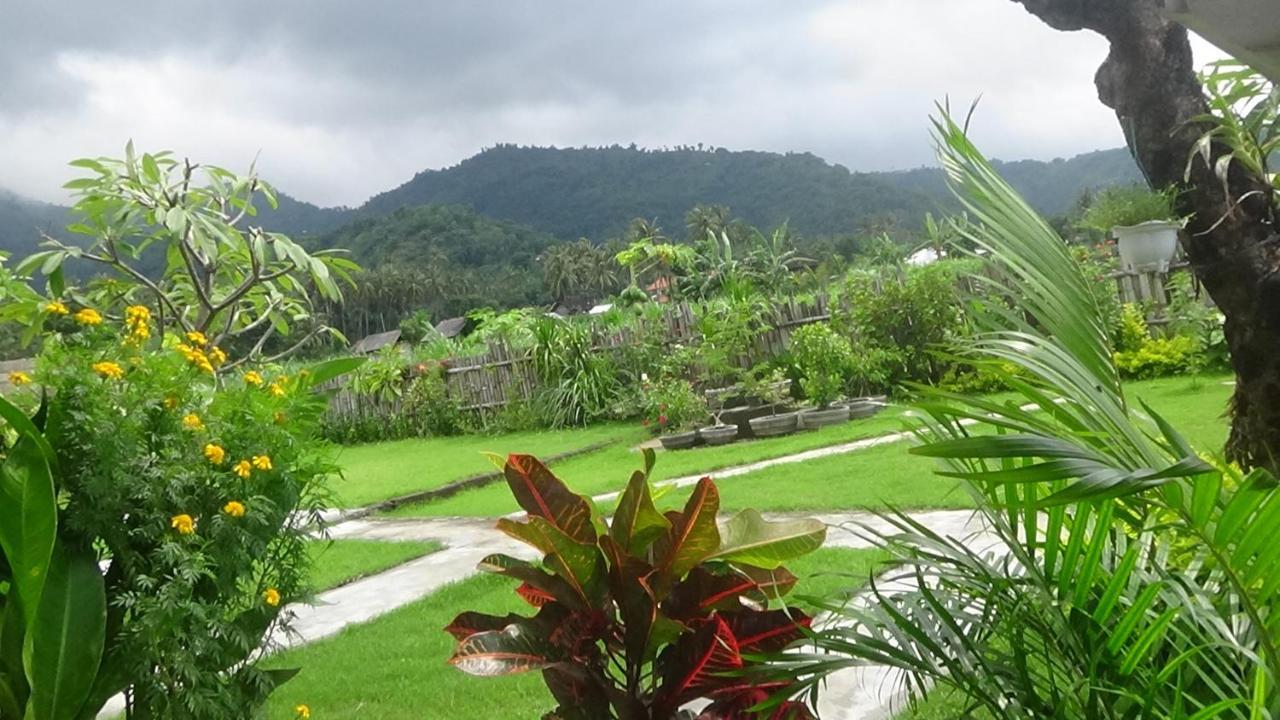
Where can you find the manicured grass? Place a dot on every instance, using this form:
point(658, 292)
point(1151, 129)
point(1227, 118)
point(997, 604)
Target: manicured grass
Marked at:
point(393, 668)
point(382, 470)
point(872, 478)
point(609, 469)
point(888, 476)
point(337, 562)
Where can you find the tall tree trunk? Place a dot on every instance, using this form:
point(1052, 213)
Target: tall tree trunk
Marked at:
point(1150, 82)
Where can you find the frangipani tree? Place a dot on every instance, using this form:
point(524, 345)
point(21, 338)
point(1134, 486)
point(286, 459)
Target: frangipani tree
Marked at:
point(219, 274)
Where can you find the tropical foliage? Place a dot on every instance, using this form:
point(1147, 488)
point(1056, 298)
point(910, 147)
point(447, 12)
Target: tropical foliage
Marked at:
point(641, 614)
point(1126, 575)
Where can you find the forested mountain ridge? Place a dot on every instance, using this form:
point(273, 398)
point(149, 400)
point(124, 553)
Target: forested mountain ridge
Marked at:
point(595, 192)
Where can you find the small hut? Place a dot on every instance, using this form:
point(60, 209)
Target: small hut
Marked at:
point(376, 342)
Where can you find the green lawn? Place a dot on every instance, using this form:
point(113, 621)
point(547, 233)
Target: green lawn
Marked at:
point(607, 470)
point(889, 476)
point(393, 668)
point(337, 562)
point(382, 470)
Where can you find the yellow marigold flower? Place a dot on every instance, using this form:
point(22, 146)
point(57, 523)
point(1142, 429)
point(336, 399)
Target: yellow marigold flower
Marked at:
point(108, 370)
point(88, 316)
point(56, 307)
point(192, 421)
point(217, 356)
point(215, 454)
point(234, 509)
point(184, 524)
point(136, 318)
point(137, 314)
point(19, 378)
point(253, 378)
point(198, 338)
point(271, 596)
point(304, 712)
point(262, 462)
point(243, 469)
point(276, 390)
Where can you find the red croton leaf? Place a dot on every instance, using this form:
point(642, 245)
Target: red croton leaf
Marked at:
point(693, 666)
point(536, 597)
point(764, 632)
point(637, 607)
point(693, 536)
point(739, 708)
point(703, 591)
point(470, 623)
point(542, 494)
point(519, 647)
point(578, 691)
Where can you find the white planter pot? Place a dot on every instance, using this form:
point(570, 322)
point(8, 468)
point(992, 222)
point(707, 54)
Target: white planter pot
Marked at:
point(1148, 246)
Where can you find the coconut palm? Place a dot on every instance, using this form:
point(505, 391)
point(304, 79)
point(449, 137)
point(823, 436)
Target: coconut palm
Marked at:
point(1131, 578)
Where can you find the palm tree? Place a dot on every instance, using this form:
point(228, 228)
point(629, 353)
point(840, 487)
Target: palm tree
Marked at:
point(1137, 580)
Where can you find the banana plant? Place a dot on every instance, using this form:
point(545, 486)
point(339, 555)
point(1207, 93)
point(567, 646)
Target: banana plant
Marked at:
point(53, 607)
point(1132, 576)
point(641, 614)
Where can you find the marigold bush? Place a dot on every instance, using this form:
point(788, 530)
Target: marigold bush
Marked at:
point(196, 492)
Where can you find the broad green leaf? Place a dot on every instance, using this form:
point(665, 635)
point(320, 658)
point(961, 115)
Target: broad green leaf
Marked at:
point(67, 638)
point(750, 539)
point(28, 521)
point(323, 372)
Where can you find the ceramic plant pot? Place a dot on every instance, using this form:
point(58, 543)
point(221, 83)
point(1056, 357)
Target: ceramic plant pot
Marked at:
point(822, 417)
point(773, 425)
point(1147, 246)
point(718, 434)
point(679, 441)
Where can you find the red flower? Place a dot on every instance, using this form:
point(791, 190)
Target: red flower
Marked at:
point(662, 419)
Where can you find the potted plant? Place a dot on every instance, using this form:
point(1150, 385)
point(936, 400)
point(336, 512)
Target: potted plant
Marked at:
point(771, 388)
point(1143, 222)
point(821, 357)
point(674, 410)
point(720, 433)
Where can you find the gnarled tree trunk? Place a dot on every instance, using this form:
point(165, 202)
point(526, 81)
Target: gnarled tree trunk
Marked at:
point(1150, 82)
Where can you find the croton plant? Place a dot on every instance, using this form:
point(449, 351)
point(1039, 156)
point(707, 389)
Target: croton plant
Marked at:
point(642, 614)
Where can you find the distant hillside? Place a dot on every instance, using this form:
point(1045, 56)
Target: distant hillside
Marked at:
point(1051, 187)
point(22, 221)
point(595, 192)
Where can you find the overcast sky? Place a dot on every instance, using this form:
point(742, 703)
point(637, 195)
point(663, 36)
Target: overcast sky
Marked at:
point(344, 100)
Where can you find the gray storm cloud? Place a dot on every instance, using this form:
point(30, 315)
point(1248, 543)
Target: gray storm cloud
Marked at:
point(345, 100)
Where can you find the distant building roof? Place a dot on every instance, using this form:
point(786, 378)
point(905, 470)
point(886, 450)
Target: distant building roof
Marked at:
point(376, 342)
point(451, 328)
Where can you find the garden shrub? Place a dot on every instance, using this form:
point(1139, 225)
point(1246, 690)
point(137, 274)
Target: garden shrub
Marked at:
point(195, 492)
point(579, 384)
point(824, 360)
point(672, 405)
point(908, 316)
point(427, 406)
point(1157, 357)
point(642, 613)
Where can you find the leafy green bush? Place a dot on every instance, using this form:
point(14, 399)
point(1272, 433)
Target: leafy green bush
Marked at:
point(1191, 317)
point(1129, 205)
point(672, 405)
point(1157, 357)
point(428, 407)
point(907, 317)
point(196, 494)
point(645, 612)
point(824, 359)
